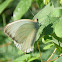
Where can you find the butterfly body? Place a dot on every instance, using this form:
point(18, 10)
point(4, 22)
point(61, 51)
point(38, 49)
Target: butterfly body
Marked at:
point(23, 32)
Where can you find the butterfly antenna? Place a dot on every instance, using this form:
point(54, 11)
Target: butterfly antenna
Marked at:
point(51, 55)
point(31, 12)
point(39, 50)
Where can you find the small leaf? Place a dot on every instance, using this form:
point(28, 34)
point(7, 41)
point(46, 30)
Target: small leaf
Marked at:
point(46, 1)
point(55, 40)
point(4, 5)
point(33, 58)
point(20, 52)
point(48, 46)
point(21, 9)
point(58, 29)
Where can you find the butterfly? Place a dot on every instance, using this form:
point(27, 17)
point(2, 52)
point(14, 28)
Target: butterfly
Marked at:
point(23, 32)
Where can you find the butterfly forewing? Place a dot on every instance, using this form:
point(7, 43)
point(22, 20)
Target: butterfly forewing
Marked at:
point(11, 28)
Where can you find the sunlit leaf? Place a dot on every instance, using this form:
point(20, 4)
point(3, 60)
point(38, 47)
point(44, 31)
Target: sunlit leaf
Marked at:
point(21, 9)
point(57, 12)
point(46, 1)
point(58, 29)
point(61, 2)
point(48, 46)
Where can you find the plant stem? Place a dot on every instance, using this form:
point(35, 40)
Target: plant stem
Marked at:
point(39, 50)
point(52, 54)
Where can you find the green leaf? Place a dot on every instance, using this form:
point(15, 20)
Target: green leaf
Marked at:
point(58, 28)
point(57, 12)
point(23, 58)
point(4, 5)
point(33, 58)
point(20, 52)
point(48, 46)
point(56, 40)
point(55, 61)
point(21, 9)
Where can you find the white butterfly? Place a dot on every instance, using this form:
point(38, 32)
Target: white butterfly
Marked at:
point(23, 32)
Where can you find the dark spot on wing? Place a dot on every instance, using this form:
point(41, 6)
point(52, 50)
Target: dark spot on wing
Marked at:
point(13, 38)
point(10, 35)
point(16, 40)
point(7, 33)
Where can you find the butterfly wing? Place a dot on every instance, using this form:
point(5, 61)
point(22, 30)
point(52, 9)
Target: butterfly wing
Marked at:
point(11, 28)
point(23, 32)
point(28, 42)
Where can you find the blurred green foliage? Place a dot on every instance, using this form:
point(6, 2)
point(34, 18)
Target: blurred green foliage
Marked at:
point(49, 36)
